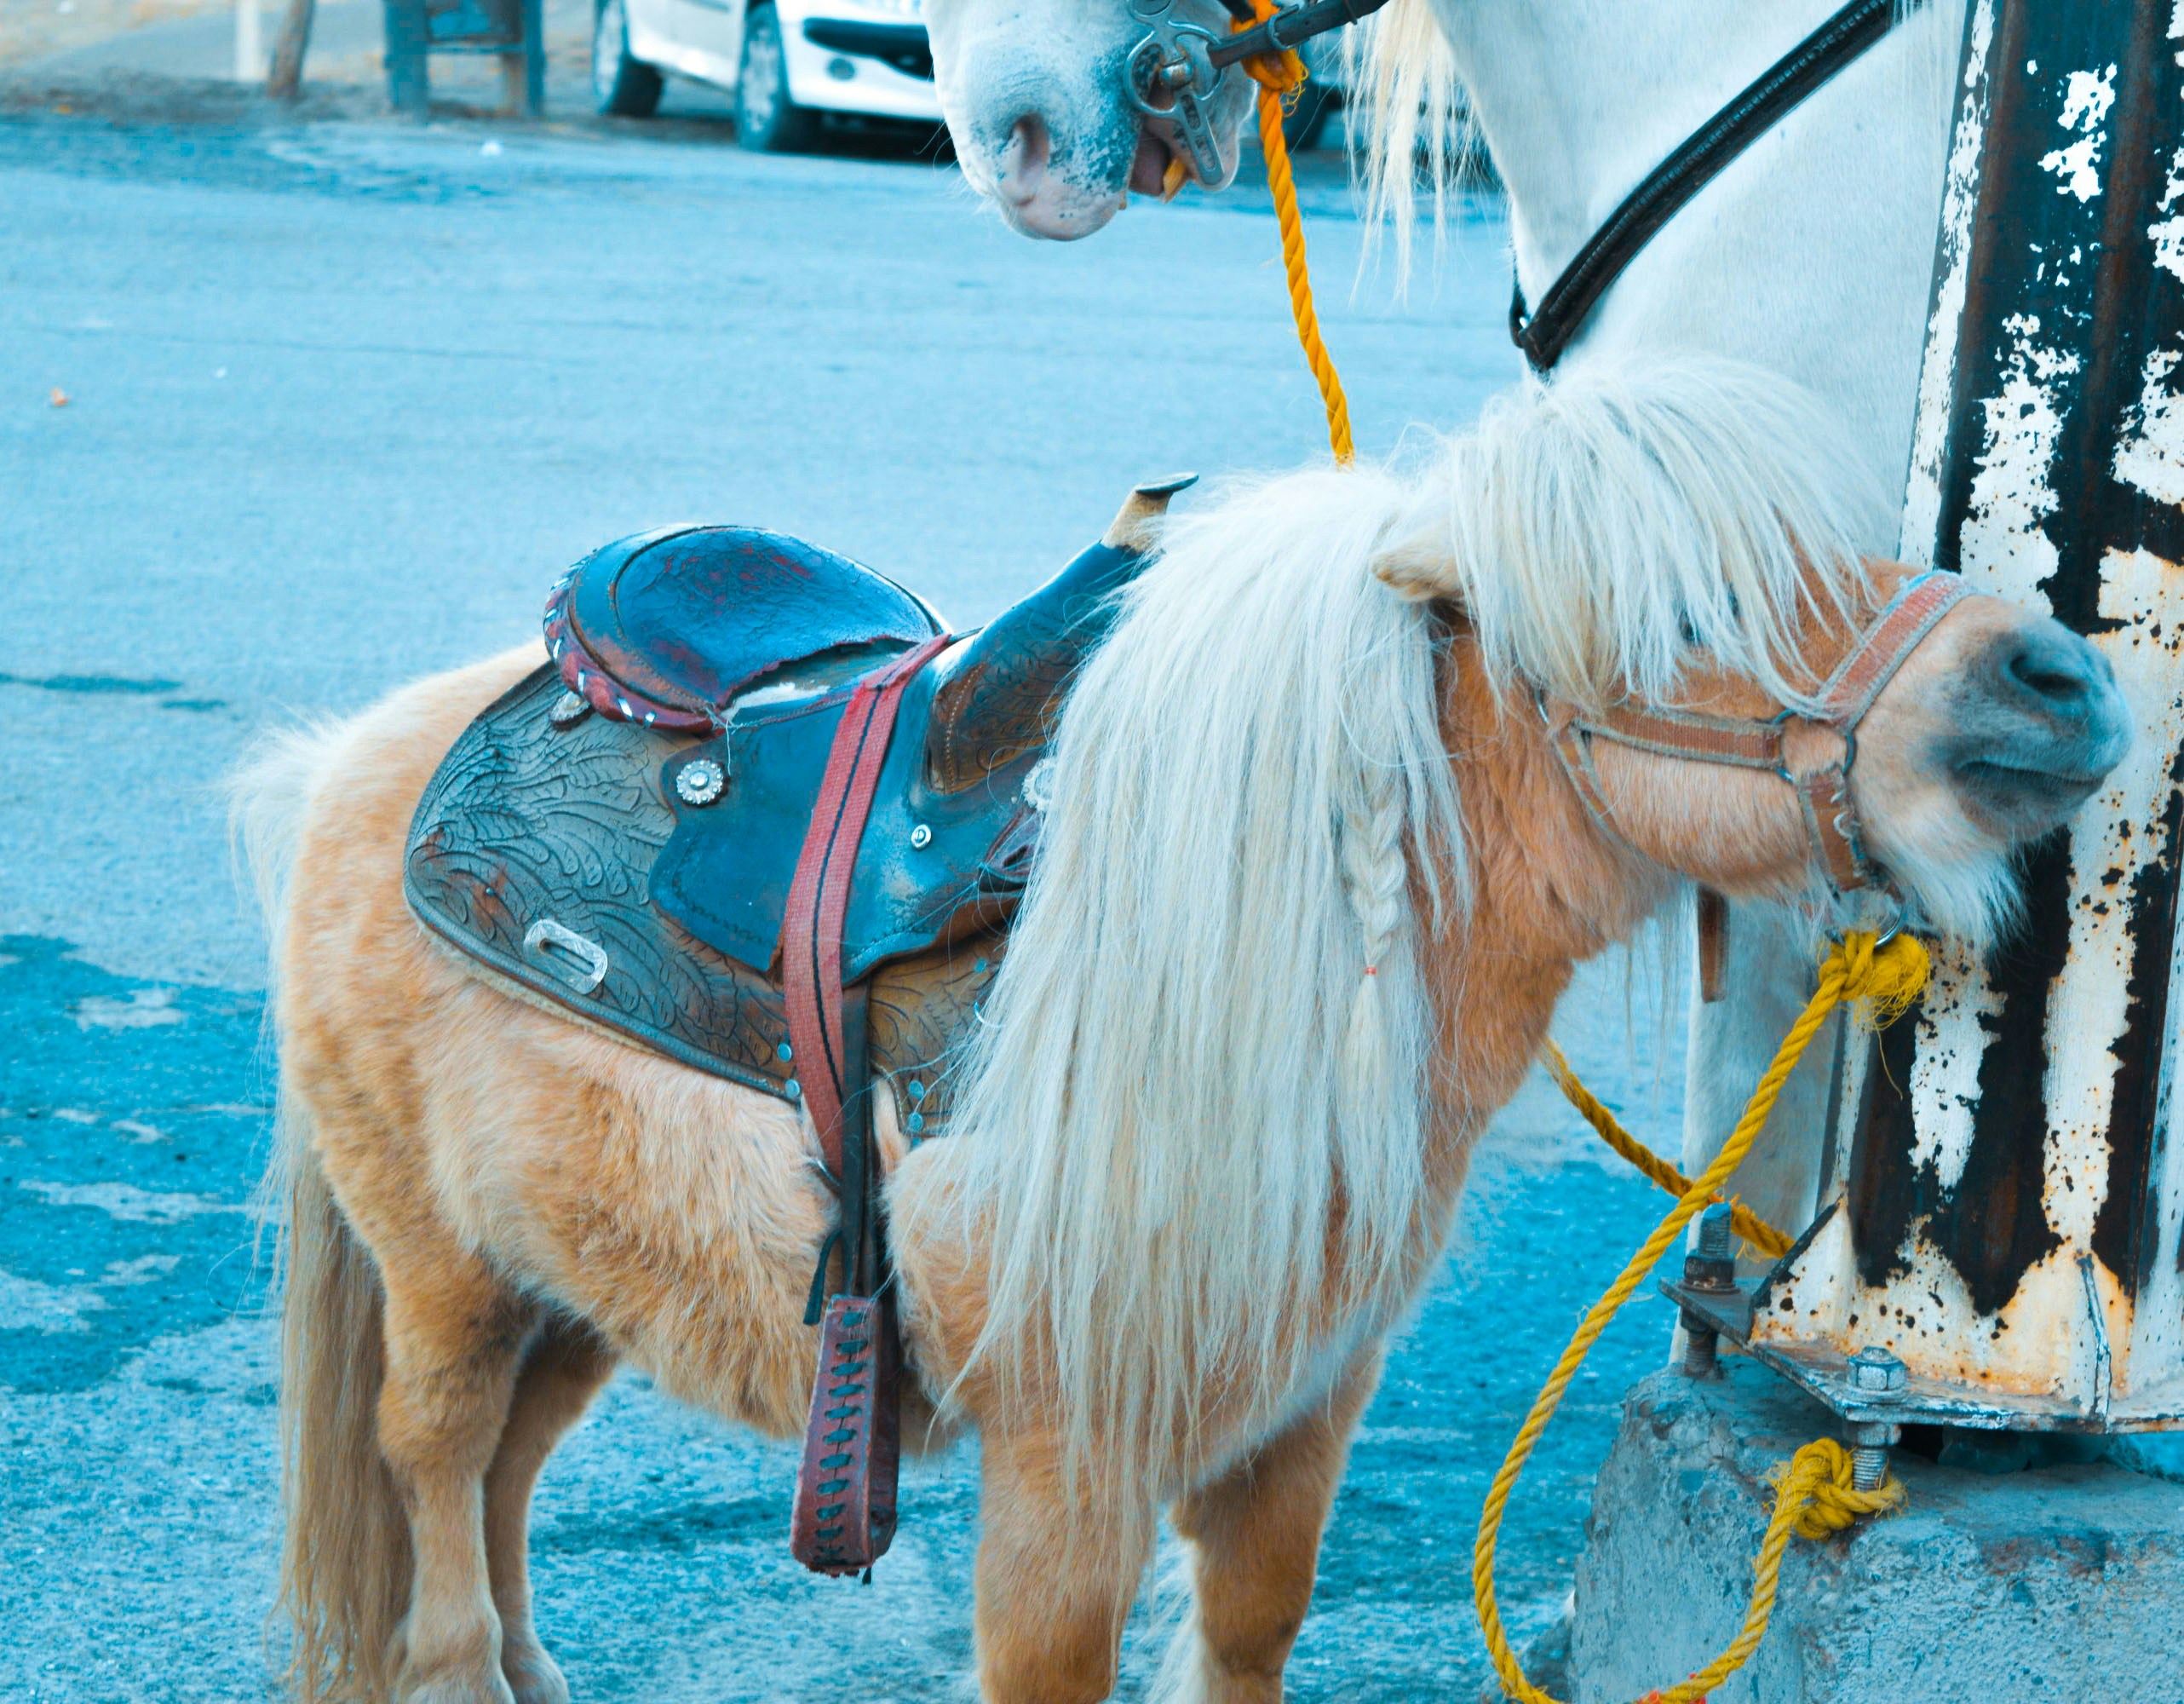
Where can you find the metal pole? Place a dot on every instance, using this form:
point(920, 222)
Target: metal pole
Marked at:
point(2010, 1199)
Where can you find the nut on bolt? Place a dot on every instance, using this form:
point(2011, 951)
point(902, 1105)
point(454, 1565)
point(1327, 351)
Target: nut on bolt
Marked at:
point(1711, 1268)
point(1874, 1373)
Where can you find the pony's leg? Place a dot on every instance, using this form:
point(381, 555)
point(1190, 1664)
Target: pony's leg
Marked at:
point(1254, 1536)
point(455, 1343)
point(1055, 1579)
point(563, 1372)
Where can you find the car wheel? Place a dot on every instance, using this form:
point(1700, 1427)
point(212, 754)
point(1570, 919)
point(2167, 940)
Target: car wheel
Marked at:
point(624, 86)
point(1304, 123)
point(767, 119)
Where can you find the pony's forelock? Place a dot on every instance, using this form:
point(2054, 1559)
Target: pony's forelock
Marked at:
point(1603, 530)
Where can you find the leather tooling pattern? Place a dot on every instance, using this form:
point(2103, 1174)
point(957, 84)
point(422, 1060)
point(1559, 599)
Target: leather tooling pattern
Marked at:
point(531, 852)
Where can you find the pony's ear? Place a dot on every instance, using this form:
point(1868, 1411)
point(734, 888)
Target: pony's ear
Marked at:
point(1419, 571)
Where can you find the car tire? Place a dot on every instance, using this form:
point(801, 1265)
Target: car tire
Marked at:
point(769, 120)
point(1304, 124)
point(621, 87)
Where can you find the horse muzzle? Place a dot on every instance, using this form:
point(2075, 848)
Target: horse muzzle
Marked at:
point(2041, 725)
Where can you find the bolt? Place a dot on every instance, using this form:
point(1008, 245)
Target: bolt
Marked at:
point(1714, 1228)
point(1869, 1443)
point(1712, 1266)
point(1702, 1358)
point(1875, 1372)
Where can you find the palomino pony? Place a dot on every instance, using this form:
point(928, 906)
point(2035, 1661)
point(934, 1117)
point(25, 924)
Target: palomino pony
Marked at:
point(1810, 255)
point(1313, 876)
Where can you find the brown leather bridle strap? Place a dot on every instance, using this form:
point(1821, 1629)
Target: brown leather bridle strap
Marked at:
point(1755, 743)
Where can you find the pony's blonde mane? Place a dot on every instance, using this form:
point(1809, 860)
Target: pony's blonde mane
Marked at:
point(1190, 1134)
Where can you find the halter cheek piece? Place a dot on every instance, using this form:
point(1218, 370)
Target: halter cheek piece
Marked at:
point(1762, 743)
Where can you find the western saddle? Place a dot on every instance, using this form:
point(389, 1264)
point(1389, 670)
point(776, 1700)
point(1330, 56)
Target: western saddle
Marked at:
point(760, 813)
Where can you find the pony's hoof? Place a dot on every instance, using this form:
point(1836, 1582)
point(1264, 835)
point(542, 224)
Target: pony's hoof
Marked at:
point(535, 1677)
point(458, 1689)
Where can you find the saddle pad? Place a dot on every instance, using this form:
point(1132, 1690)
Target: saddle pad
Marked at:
point(533, 853)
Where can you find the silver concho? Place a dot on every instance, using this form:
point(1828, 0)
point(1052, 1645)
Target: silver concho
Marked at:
point(569, 710)
point(1038, 786)
point(700, 782)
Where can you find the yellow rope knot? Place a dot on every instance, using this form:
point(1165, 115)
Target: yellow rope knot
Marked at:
point(1817, 1487)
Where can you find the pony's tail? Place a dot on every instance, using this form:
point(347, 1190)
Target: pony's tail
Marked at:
point(345, 1547)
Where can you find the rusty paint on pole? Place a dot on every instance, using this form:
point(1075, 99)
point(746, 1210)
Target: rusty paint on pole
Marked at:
point(2008, 1203)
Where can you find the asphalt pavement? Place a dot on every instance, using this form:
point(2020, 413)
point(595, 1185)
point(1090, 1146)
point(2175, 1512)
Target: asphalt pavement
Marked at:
point(292, 412)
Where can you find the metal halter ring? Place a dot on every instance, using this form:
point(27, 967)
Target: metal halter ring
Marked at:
point(1175, 60)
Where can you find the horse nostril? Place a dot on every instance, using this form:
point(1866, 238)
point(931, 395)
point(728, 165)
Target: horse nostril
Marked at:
point(1024, 161)
point(2059, 671)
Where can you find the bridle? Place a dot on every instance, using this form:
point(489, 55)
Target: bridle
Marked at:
point(1817, 762)
point(1174, 70)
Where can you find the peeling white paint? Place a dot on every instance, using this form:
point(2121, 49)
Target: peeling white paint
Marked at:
point(2111, 843)
point(2003, 548)
point(1937, 377)
point(2086, 98)
point(2151, 457)
point(1945, 1068)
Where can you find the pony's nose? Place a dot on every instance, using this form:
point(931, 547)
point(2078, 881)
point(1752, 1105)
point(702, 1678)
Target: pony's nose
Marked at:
point(2043, 724)
point(1023, 166)
point(2055, 673)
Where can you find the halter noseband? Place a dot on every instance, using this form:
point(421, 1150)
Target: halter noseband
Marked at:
point(1758, 743)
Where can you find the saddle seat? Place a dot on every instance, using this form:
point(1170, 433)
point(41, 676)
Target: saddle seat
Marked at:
point(667, 628)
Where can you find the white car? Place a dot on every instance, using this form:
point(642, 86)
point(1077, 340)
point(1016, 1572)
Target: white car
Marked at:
point(785, 62)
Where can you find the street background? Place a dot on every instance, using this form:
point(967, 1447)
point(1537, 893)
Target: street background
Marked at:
point(295, 407)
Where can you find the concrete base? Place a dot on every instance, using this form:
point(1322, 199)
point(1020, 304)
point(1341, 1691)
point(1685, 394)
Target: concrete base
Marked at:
point(2045, 1586)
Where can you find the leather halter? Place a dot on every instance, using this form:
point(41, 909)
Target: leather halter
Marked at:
point(1759, 743)
point(1544, 332)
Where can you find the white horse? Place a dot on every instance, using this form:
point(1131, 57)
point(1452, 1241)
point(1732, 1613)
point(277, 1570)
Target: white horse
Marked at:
point(1809, 256)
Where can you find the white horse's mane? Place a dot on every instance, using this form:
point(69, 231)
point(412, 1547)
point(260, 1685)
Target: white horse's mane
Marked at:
point(1191, 1112)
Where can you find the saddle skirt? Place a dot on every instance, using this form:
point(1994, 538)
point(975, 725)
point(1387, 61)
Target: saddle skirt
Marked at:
point(617, 834)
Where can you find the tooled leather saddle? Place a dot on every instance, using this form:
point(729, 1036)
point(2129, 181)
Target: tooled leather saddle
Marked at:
point(760, 813)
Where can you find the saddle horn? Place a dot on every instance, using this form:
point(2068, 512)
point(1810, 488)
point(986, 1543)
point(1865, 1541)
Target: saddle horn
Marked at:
point(996, 695)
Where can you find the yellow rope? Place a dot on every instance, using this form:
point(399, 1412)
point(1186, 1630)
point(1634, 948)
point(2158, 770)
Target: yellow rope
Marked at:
point(1814, 1489)
point(1279, 76)
point(1748, 1225)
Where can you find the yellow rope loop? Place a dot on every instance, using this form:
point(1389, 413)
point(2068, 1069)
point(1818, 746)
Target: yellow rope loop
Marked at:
point(1890, 974)
point(1748, 1225)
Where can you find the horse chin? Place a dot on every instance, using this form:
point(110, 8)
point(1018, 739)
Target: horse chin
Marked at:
point(1060, 211)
